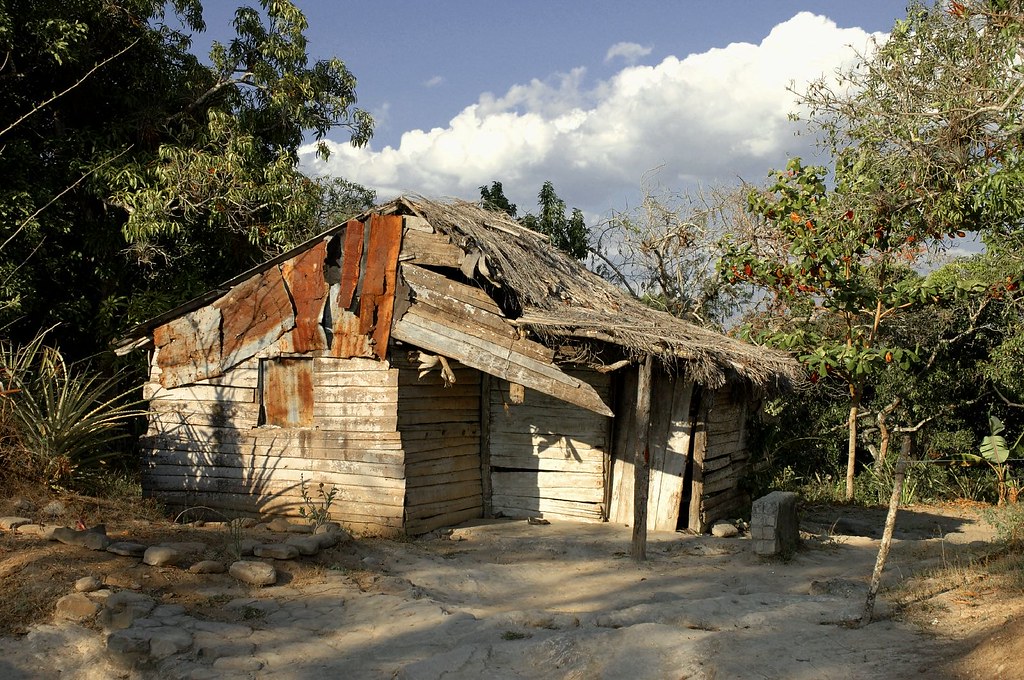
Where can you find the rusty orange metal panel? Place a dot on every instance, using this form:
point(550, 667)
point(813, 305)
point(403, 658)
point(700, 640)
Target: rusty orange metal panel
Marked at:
point(254, 314)
point(304, 274)
point(189, 347)
point(288, 392)
point(385, 238)
point(352, 255)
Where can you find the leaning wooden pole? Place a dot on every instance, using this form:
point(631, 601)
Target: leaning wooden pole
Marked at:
point(641, 461)
point(890, 524)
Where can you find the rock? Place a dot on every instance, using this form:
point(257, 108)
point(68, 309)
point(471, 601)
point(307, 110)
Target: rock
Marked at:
point(161, 556)
point(247, 545)
point(307, 545)
point(88, 584)
point(276, 551)
point(75, 607)
point(326, 539)
point(47, 530)
point(23, 505)
point(123, 608)
point(128, 647)
point(773, 524)
point(127, 549)
point(279, 524)
point(237, 663)
point(30, 529)
point(92, 539)
point(187, 547)
point(333, 529)
point(207, 567)
point(724, 529)
point(254, 573)
point(300, 528)
point(165, 641)
point(54, 508)
point(12, 523)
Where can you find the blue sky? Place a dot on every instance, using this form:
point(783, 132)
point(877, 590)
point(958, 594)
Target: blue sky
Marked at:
point(589, 95)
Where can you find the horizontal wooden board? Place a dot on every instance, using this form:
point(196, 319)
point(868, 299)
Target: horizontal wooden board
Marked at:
point(547, 480)
point(554, 464)
point(334, 423)
point(196, 425)
point(421, 510)
point(469, 474)
point(415, 433)
point(437, 417)
point(355, 379)
point(425, 458)
point(521, 506)
point(258, 465)
point(354, 410)
point(345, 496)
point(221, 393)
point(529, 441)
point(442, 465)
point(356, 394)
point(384, 520)
point(281, 476)
point(244, 375)
point(420, 279)
point(437, 493)
point(418, 526)
point(349, 365)
point(425, 449)
point(432, 250)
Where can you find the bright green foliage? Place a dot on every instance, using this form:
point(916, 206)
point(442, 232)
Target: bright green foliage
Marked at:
point(995, 451)
point(567, 233)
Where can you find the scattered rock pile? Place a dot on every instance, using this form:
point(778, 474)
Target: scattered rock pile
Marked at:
point(140, 630)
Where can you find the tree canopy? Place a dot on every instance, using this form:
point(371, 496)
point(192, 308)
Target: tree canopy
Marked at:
point(136, 174)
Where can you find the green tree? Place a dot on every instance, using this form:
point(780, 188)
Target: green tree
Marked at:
point(567, 233)
point(493, 198)
point(833, 279)
point(135, 174)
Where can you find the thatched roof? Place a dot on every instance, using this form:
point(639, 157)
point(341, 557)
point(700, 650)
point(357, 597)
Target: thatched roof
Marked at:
point(559, 298)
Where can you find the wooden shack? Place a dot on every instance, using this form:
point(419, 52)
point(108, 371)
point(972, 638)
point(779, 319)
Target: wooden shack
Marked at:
point(437, 362)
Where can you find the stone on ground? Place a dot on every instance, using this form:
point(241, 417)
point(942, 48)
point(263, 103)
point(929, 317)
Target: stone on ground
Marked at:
point(724, 529)
point(773, 524)
point(254, 573)
point(75, 607)
point(161, 556)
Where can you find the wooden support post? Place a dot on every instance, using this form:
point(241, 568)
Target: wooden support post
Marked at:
point(485, 442)
point(695, 520)
point(641, 462)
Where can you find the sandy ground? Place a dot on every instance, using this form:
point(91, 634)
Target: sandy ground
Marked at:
point(508, 599)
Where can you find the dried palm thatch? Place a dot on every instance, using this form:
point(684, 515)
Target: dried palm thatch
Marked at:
point(559, 299)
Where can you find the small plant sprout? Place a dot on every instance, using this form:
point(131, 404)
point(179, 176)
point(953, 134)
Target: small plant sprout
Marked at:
point(317, 511)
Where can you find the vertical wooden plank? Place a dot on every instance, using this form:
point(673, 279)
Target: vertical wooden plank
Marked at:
point(695, 522)
point(621, 510)
point(288, 392)
point(671, 440)
point(485, 441)
point(641, 463)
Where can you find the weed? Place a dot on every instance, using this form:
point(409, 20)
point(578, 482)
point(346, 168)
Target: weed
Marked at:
point(252, 613)
point(1008, 521)
point(317, 511)
point(515, 635)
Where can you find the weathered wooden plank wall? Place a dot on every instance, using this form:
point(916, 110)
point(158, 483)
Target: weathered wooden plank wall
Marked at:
point(547, 456)
point(726, 458)
point(668, 447)
point(206, 446)
point(440, 429)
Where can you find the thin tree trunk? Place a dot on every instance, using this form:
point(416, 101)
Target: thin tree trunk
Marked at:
point(851, 448)
point(641, 462)
point(883, 426)
point(890, 524)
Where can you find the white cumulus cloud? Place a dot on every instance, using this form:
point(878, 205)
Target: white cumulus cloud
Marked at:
point(627, 51)
point(706, 117)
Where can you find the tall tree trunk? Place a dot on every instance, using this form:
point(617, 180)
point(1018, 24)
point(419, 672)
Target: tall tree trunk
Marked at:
point(641, 462)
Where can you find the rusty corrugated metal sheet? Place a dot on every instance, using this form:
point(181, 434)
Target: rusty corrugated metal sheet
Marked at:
point(288, 392)
point(377, 297)
point(253, 315)
point(352, 255)
point(304, 274)
point(188, 348)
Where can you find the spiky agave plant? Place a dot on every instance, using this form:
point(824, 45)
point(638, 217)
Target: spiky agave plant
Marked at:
point(64, 416)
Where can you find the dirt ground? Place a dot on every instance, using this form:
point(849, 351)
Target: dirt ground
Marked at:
point(510, 599)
